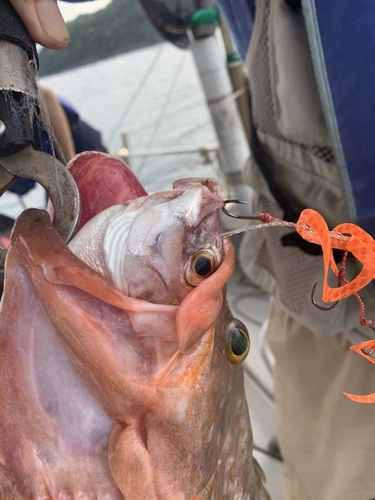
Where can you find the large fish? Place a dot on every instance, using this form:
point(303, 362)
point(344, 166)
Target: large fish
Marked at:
point(120, 362)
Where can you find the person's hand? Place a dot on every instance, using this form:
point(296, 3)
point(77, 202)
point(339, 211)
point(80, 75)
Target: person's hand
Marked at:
point(44, 22)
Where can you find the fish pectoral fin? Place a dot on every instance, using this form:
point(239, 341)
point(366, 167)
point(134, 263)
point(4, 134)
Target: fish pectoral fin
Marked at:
point(129, 463)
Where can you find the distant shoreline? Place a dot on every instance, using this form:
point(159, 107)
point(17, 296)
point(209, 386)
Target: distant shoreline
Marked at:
point(86, 62)
point(119, 28)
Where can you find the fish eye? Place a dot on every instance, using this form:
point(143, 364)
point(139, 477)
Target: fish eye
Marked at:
point(238, 342)
point(201, 265)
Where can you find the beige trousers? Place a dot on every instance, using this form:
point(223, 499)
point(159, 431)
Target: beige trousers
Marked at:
point(327, 441)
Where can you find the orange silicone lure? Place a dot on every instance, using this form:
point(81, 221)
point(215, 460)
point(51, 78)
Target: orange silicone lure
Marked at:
point(350, 238)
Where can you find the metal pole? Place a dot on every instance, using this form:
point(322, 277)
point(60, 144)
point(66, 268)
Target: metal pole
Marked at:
point(237, 77)
point(211, 66)
point(125, 149)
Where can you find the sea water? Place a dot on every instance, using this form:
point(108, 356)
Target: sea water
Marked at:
point(104, 91)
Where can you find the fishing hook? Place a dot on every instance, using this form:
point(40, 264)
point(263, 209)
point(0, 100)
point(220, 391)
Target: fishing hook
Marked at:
point(369, 352)
point(332, 306)
point(318, 306)
point(373, 329)
point(313, 291)
point(235, 216)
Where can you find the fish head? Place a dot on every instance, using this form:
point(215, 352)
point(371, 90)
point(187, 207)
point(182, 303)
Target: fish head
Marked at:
point(113, 390)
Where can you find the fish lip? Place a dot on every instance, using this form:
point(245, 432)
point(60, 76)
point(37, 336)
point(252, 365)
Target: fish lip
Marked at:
point(207, 204)
point(209, 182)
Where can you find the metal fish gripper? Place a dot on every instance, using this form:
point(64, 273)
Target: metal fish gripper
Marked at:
point(20, 144)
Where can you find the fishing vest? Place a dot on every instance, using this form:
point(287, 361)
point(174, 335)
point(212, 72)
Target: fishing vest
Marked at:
point(310, 75)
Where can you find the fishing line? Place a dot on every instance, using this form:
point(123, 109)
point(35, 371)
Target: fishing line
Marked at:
point(274, 456)
point(135, 95)
point(163, 109)
point(280, 223)
point(259, 384)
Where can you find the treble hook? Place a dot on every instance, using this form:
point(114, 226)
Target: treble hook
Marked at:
point(235, 216)
point(318, 306)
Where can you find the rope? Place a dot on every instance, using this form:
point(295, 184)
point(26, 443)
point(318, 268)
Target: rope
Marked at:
point(135, 95)
point(163, 109)
point(216, 103)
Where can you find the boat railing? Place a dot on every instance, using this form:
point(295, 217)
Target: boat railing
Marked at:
point(206, 152)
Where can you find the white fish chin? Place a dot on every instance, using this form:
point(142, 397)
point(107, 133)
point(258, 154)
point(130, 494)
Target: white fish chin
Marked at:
point(115, 246)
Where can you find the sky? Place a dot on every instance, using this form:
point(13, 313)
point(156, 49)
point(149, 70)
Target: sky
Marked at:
point(72, 10)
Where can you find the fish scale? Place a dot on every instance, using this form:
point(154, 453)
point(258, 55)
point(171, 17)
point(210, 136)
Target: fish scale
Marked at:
point(111, 396)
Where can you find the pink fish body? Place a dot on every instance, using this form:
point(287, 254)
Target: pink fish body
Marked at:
point(109, 391)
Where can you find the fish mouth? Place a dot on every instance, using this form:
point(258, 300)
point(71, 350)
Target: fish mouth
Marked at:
point(60, 277)
point(155, 335)
point(174, 329)
point(61, 282)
